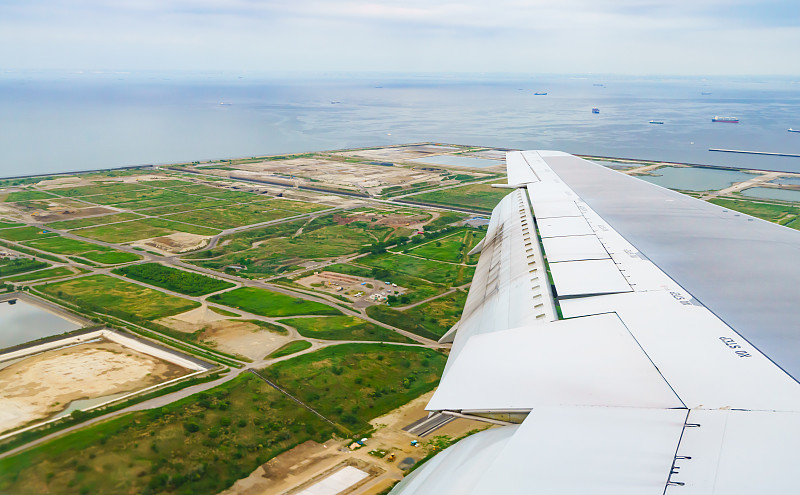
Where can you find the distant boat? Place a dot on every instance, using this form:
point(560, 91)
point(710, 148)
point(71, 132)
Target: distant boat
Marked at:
point(595, 110)
point(793, 130)
point(599, 85)
point(540, 94)
point(730, 120)
point(705, 93)
point(335, 102)
point(656, 121)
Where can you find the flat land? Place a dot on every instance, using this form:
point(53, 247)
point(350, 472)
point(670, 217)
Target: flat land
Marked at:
point(90, 222)
point(110, 295)
point(353, 383)
point(343, 328)
point(291, 348)
point(266, 303)
point(140, 229)
point(93, 252)
point(232, 216)
point(433, 271)
point(480, 197)
point(431, 320)
point(166, 277)
point(44, 384)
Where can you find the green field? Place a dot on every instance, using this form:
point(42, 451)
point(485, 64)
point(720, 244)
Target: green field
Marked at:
point(100, 254)
point(189, 283)
point(290, 348)
point(343, 328)
point(194, 205)
point(199, 445)
point(139, 229)
point(4, 224)
point(280, 248)
point(100, 188)
point(10, 267)
point(266, 303)
point(353, 383)
point(231, 216)
point(90, 222)
point(772, 212)
point(24, 234)
point(60, 271)
point(452, 248)
point(27, 196)
point(418, 289)
point(433, 271)
point(481, 197)
point(109, 295)
point(431, 320)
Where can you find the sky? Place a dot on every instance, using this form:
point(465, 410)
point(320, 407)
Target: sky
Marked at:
point(638, 37)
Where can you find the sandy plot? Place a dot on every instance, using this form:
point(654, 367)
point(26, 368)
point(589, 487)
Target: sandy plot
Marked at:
point(179, 242)
point(44, 384)
point(243, 338)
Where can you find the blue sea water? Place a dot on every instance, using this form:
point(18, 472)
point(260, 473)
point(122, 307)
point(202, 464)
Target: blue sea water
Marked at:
point(55, 122)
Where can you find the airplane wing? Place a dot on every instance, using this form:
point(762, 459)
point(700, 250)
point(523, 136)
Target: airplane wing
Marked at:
point(627, 338)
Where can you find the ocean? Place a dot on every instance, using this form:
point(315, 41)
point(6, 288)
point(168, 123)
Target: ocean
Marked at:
point(59, 122)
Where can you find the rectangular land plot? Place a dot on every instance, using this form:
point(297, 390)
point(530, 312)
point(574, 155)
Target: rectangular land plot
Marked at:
point(267, 303)
point(452, 248)
point(90, 222)
point(100, 254)
point(98, 189)
point(14, 197)
point(343, 328)
point(481, 197)
point(79, 372)
point(189, 283)
point(431, 320)
point(139, 229)
point(113, 296)
point(232, 216)
point(433, 271)
point(24, 234)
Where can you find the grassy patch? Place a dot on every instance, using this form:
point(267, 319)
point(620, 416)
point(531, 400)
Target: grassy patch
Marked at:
point(474, 196)
point(189, 283)
point(431, 320)
point(231, 216)
point(198, 445)
point(266, 303)
point(109, 295)
point(123, 232)
point(768, 211)
point(270, 327)
point(24, 234)
point(353, 383)
point(20, 265)
point(4, 224)
point(343, 328)
point(100, 254)
point(60, 271)
point(433, 271)
point(97, 189)
point(290, 348)
point(222, 312)
point(90, 222)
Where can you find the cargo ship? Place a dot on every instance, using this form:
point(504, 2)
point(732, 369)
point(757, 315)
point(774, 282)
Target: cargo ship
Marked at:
point(793, 130)
point(730, 120)
point(595, 110)
point(656, 121)
point(540, 94)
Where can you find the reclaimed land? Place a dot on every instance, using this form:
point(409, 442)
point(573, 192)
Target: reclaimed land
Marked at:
point(430, 320)
point(343, 328)
point(202, 444)
point(267, 303)
point(189, 283)
point(112, 296)
point(290, 348)
point(481, 197)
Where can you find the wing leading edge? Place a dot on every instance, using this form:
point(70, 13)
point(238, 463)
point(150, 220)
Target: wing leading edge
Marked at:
point(637, 387)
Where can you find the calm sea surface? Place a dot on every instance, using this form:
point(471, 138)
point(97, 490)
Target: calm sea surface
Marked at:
point(64, 122)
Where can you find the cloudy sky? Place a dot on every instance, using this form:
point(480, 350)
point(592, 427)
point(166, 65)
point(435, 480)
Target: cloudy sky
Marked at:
point(526, 36)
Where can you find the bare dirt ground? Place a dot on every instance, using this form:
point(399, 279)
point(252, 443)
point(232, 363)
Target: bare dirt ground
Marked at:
point(312, 461)
point(55, 213)
point(228, 335)
point(44, 384)
point(178, 242)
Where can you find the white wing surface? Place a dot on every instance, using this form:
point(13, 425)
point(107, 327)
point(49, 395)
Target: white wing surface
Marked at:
point(628, 339)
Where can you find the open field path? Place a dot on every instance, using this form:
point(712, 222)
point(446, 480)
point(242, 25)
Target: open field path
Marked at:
point(755, 181)
point(432, 298)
